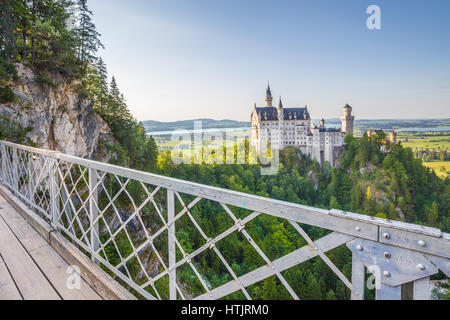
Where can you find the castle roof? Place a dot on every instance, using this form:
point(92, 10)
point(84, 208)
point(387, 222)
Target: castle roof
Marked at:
point(322, 129)
point(272, 113)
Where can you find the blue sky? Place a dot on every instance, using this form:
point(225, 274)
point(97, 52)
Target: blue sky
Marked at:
point(179, 59)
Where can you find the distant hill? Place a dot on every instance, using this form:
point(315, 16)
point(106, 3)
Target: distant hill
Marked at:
point(151, 125)
point(361, 124)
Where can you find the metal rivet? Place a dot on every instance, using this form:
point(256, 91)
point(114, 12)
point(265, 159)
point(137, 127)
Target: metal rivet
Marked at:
point(386, 235)
point(421, 267)
point(358, 229)
point(387, 274)
point(359, 247)
point(421, 243)
point(387, 255)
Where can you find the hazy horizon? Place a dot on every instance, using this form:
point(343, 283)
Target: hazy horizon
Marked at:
point(313, 118)
point(180, 60)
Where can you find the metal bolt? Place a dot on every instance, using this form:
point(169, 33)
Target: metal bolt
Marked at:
point(387, 255)
point(386, 235)
point(387, 274)
point(359, 247)
point(421, 267)
point(421, 243)
point(358, 229)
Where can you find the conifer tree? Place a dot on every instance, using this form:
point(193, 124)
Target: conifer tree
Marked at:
point(88, 37)
point(102, 74)
point(8, 24)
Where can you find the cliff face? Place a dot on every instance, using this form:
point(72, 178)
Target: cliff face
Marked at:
point(59, 118)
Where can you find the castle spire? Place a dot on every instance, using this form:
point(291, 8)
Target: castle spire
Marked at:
point(280, 104)
point(269, 98)
point(268, 89)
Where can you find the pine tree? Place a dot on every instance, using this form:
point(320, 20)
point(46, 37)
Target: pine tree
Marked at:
point(88, 37)
point(8, 25)
point(331, 295)
point(357, 198)
point(269, 289)
point(102, 74)
point(432, 214)
point(333, 203)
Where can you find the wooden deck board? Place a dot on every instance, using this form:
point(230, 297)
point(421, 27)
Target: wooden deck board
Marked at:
point(8, 289)
point(32, 269)
point(30, 281)
point(29, 237)
point(55, 269)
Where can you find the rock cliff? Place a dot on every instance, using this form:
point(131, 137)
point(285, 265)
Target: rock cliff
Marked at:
point(58, 117)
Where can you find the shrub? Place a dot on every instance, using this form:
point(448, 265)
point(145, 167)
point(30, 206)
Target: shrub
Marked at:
point(7, 70)
point(6, 94)
point(44, 78)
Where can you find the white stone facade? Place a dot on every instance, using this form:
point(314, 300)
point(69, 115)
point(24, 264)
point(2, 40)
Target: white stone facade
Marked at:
point(285, 127)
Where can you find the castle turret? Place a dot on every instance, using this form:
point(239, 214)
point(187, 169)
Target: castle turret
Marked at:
point(280, 110)
point(280, 104)
point(322, 123)
point(347, 120)
point(269, 98)
point(393, 137)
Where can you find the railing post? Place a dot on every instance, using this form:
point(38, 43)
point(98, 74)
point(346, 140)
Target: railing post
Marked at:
point(358, 278)
point(30, 182)
point(422, 289)
point(172, 248)
point(53, 193)
point(15, 172)
point(3, 149)
point(93, 212)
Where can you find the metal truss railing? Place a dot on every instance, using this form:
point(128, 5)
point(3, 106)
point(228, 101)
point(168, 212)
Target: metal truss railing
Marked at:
point(124, 219)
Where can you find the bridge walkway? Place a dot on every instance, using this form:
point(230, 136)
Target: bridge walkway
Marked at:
point(30, 269)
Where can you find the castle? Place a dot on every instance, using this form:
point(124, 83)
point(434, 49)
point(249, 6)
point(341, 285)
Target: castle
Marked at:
point(284, 127)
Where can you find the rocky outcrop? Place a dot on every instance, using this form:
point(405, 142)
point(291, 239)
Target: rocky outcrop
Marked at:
point(59, 119)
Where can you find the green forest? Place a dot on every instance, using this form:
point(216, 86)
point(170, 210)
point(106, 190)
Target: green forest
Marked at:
point(44, 35)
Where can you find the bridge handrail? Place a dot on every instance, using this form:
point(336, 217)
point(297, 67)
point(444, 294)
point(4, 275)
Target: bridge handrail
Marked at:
point(19, 167)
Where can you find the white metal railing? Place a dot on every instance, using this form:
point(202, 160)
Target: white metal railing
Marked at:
point(104, 208)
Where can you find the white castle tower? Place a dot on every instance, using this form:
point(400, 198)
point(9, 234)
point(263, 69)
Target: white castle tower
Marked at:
point(347, 120)
point(268, 98)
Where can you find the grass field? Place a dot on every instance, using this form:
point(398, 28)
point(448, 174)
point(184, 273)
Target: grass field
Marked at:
point(426, 142)
point(442, 168)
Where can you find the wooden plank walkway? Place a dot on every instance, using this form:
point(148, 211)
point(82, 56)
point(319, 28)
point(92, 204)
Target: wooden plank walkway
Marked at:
point(30, 269)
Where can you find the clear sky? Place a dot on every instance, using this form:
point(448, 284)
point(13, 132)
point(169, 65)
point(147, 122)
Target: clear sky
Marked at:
point(179, 59)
